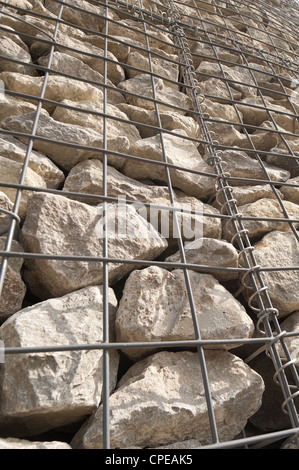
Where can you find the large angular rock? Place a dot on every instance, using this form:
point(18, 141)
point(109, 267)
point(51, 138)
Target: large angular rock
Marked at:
point(64, 156)
point(63, 62)
point(56, 225)
point(118, 127)
point(41, 391)
point(240, 165)
point(10, 172)
point(168, 96)
point(87, 177)
point(282, 158)
point(210, 252)
point(11, 106)
point(12, 443)
point(12, 47)
point(58, 88)
point(279, 249)
point(263, 209)
point(178, 151)
point(247, 194)
point(15, 150)
point(155, 307)
point(170, 120)
point(14, 289)
point(164, 401)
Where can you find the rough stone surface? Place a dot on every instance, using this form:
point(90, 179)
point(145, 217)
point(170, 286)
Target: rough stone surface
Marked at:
point(248, 194)
point(56, 225)
point(15, 150)
point(11, 443)
point(65, 156)
point(210, 252)
point(161, 400)
point(178, 151)
point(155, 306)
point(279, 249)
point(291, 193)
point(87, 177)
point(14, 289)
point(264, 209)
point(5, 219)
point(46, 390)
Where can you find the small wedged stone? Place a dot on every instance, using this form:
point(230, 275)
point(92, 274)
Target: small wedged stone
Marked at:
point(155, 307)
point(57, 225)
point(210, 252)
point(64, 156)
point(169, 98)
point(14, 289)
point(170, 120)
point(50, 389)
point(161, 400)
point(14, 149)
point(267, 209)
point(87, 177)
point(13, 443)
point(178, 151)
point(279, 249)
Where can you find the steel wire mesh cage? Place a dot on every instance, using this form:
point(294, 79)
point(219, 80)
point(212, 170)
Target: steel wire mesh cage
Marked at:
point(149, 213)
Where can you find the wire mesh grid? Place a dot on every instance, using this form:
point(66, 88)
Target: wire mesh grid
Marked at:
point(234, 67)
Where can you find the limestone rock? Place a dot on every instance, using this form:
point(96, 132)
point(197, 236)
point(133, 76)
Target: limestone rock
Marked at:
point(281, 158)
point(14, 149)
point(14, 289)
point(64, 156)
point(164, 401)
point(87, 177)
point(248, 194)
point(11, 106)
point(10, 172)
point(63, 62)
point(279, 249)
point(114, 128)
point(291, 325)
point(5, 219)
point(291, 193)
point(239, 164)
point(180, 152)
point(266, 209)
point(142, 84)
point(41, 391)
point(170, 120)
point(11, 48)
point(58, 88)
point(219, 91)
point(168, 71)
point(210, 252)
point(12, 443)
point(76, 47)
point(255, 113)
point(56, 225)
point(155, 307)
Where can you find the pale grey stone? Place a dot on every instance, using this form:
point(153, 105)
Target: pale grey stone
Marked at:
point(15, 150)
point(210, 252)
point(247, 194)
point(291, 193)
point(143, 86)
point(11, 106)
point(11, 48)
point(87, 177)
point(57, 225)
point(279, 157)
point(13, 443)
point(14, 289)
point(155, 307)
point(265, 209)
point(291, 325)
point(64, 156)
point(278, 249)
point(5, 219)
point(41, 391)
point(178, 151)
point(161, 400)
